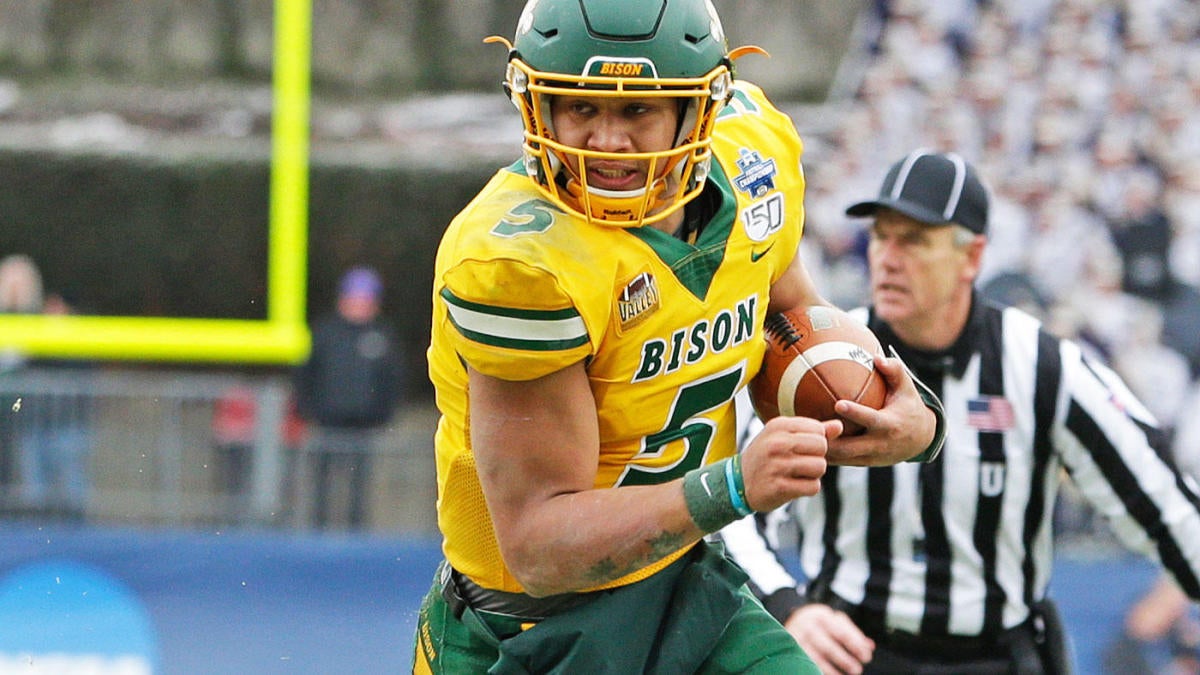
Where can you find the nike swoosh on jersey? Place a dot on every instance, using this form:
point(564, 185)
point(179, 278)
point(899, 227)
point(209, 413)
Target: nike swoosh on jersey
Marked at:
point(755, 257)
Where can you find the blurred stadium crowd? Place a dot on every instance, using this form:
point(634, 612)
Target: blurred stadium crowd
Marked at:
point(1084, 118)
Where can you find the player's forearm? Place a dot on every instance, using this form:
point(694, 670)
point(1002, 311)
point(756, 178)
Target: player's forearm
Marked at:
point(576, 541)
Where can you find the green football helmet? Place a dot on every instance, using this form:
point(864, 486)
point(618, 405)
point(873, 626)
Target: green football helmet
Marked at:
point(619, 48)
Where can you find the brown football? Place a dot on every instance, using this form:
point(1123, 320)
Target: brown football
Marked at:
point(815, 357)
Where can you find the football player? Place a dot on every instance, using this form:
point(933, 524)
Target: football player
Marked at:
point(596, 308)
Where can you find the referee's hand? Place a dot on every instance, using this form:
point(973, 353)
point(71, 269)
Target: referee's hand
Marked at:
point(901, 429)
point(830, 639)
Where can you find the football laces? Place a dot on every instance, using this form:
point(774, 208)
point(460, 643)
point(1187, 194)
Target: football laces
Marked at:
point(782, 328)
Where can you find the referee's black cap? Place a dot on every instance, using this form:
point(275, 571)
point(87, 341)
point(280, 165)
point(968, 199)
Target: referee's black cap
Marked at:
point(934, 188)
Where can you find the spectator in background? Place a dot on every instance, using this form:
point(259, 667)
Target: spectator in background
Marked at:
point(234, 428)
point(236, 435)
point(1142, 234)
point(20, 285)
point(20, 293)
point(348, 389)
point(54, 433)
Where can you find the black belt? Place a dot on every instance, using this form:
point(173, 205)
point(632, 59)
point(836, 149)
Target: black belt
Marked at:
point(925, 646)
point(460, 592)
point(944, 647)
point(450, 594)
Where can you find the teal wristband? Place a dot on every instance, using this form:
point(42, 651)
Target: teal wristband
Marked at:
point(707, 494)
point(736, 485)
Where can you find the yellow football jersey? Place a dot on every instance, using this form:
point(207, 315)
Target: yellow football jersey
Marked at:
point(671, 330)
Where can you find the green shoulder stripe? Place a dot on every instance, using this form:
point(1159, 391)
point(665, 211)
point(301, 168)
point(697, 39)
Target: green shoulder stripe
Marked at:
point(528, 329)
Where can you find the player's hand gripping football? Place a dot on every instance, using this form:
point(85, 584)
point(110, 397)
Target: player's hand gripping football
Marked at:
point(900, 430)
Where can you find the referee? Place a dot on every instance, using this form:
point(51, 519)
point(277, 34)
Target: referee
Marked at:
point(943, 567)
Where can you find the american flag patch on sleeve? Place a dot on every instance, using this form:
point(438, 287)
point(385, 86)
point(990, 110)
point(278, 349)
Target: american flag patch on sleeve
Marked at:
point(990, 413)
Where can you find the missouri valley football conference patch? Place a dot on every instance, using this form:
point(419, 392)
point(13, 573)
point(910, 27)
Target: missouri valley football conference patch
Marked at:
point(637, 301)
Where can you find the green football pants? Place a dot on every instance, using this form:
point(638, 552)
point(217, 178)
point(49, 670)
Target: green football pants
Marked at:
point(752, 642)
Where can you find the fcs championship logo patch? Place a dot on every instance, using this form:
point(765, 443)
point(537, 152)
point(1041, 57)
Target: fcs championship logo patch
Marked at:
point(638, 300)
point(757, 175)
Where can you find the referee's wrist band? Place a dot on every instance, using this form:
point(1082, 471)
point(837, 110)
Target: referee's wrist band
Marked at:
point(939, 432)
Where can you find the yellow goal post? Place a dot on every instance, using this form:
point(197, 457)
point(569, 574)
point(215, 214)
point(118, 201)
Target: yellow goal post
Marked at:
point(281, 338)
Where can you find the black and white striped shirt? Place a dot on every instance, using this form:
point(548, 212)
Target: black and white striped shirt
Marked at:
point(963, 546)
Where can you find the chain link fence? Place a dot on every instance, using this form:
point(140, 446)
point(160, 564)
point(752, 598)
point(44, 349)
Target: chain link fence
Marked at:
point(186, 449)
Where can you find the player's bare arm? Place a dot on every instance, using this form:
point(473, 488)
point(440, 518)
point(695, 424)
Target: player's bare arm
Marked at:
point(903, 428)
point(536, 448)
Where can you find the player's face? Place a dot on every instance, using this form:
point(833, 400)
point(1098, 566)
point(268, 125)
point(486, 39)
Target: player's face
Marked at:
point(917, 270)
point(615, 125)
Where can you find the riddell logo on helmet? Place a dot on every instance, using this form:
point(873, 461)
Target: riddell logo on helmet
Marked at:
point(610, 66)
point(618, 214)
